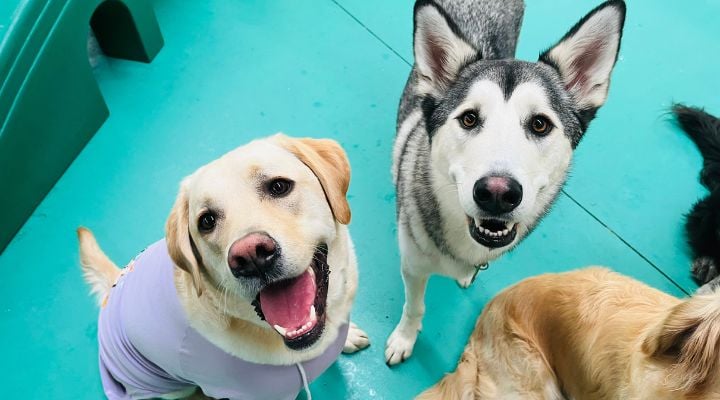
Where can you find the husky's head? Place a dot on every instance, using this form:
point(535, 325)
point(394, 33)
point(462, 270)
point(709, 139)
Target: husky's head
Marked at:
point(503, 131)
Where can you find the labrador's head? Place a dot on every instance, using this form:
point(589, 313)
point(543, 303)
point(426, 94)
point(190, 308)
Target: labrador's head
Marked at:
point(257, 224)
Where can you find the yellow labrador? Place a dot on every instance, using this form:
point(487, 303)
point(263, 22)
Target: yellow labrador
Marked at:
point(589, 334)
point(261, 270)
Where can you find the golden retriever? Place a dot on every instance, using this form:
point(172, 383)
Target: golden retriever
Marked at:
point(589, 334)
point(262, 266)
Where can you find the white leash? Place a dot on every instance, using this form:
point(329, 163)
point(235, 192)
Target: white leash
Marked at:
point(303, 376)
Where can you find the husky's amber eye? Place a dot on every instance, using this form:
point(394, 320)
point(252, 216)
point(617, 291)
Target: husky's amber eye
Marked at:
point(541, 125)
point(279, 187)
point(207, 222)
point(469, 119)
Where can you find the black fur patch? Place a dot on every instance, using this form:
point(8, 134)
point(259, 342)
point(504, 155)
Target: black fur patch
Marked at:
point(703, 234)
point(585, 116)
point(428, 108)
point(703, 222)
point(509, 83)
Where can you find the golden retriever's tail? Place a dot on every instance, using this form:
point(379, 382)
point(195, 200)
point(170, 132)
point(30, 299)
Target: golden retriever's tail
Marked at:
point(99, 272)
point(459, 385)
point(690, 337)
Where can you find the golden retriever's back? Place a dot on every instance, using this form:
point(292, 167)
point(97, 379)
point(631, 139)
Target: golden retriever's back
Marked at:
point(589, 334)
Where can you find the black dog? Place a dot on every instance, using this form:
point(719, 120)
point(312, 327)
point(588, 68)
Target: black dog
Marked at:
point(703, 221)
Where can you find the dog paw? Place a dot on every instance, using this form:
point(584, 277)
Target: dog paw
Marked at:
point(356, 340)
point(704, 269)
point(399, 346)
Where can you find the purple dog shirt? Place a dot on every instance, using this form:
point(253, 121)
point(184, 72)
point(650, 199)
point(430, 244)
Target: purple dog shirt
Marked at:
point(148, 348)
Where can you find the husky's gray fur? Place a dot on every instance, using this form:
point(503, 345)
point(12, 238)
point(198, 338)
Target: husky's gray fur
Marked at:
point(463, 48)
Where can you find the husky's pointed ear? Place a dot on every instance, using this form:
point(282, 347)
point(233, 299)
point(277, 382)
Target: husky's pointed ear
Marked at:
point(180, 244)
point(440, 51)
point(586, 55)
point(328, 161)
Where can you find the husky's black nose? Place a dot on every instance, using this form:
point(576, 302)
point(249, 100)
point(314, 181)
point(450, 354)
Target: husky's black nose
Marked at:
point(497, 195)
point(252, 255)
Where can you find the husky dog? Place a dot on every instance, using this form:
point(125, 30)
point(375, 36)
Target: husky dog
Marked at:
point(703, 221)
point(484, 141)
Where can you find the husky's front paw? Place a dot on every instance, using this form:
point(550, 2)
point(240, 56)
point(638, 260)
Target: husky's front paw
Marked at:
point(356, 340)
point(399, 346)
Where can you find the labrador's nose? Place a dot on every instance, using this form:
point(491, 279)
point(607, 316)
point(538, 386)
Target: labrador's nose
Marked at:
point(497, 195)
point(252, 255)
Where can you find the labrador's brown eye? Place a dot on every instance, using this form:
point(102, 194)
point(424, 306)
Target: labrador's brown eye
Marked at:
point(541, 125)
point(280, 187)
point(207, 222)
point(469, 119)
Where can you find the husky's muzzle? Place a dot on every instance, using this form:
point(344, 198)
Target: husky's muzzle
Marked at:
point(496, 196)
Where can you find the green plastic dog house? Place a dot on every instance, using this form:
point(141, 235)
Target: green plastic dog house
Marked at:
point(50, 103)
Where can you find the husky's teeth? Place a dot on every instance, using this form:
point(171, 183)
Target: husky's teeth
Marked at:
point(477, 222)
point(505, 232)
point(280, 330)
point(313, 315)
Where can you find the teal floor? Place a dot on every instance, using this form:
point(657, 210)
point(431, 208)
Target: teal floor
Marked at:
point(235, 70)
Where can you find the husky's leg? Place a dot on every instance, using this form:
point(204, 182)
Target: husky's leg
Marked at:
point(400, 344)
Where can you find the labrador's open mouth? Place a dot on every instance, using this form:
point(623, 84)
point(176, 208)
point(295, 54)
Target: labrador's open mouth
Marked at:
point(492, 233)
point(296, 307)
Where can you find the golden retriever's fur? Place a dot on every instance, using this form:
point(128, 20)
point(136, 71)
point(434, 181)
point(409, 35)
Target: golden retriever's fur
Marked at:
point(219, 305)
point(589, 334)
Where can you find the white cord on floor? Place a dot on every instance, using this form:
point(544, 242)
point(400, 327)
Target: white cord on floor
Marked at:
point(304, 381)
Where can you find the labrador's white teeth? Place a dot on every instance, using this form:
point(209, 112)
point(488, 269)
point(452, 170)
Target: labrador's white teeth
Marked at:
point(280, 330)
point(313, 315)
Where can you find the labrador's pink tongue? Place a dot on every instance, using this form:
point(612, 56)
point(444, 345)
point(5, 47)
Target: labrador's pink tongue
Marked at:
point(288, 303)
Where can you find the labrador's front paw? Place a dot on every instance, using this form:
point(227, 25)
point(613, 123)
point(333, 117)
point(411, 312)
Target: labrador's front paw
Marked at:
point(356, 340)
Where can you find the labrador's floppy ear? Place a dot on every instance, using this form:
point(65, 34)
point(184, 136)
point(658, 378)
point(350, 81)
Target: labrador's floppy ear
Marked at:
point(586, 55)
point(180, 244)
point(330, 164)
